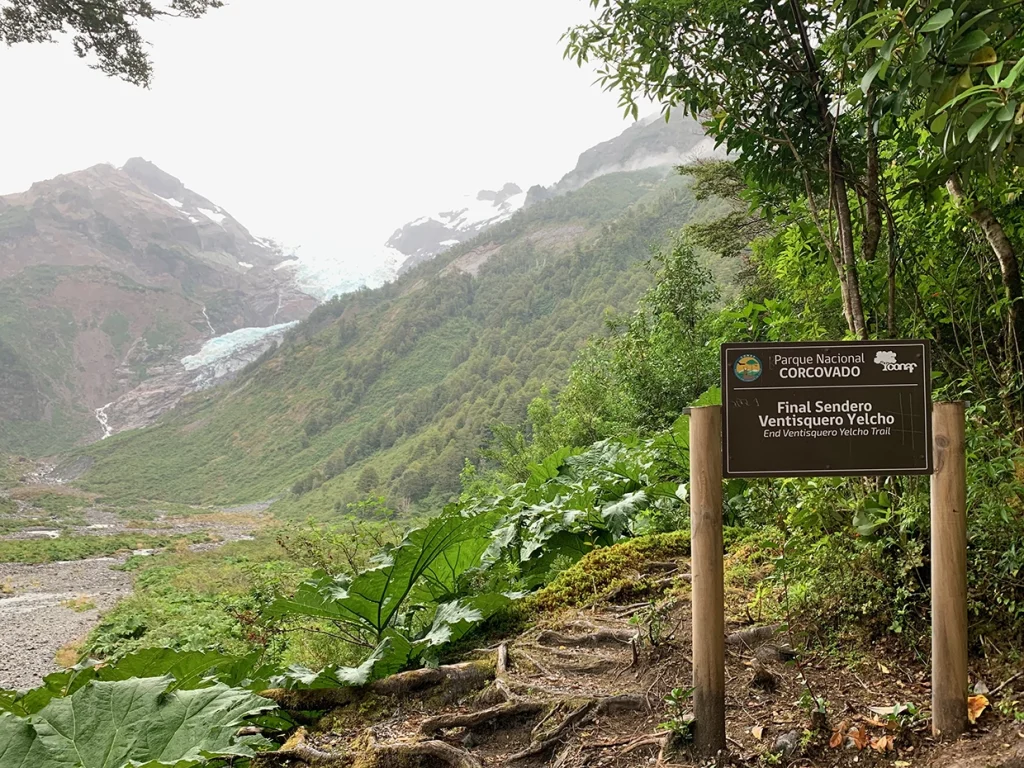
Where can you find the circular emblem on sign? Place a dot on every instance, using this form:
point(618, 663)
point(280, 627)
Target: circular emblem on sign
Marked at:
point(747, 368)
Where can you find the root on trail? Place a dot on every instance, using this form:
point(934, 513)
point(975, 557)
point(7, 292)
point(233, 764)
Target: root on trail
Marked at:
point(452, 681)
point(296, 748)
point(402, 754)
point(603, 636)
point(583, 714)
point(510, 709)
point(753, 637)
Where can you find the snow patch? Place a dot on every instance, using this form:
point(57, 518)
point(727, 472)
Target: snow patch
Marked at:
point(287, 264)
point(449, 242)
point(245, 265)
point(171, 201)
point(213, 215)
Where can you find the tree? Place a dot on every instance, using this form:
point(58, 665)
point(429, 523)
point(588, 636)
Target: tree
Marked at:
point(951, 75)
point(368, 480)
point(107, 29)
point(760, 76)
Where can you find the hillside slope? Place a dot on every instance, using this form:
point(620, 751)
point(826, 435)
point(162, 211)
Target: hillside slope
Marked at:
point(106, 276)
point(408, 379)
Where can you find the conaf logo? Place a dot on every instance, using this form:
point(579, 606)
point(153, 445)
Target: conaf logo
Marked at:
point(888, 362)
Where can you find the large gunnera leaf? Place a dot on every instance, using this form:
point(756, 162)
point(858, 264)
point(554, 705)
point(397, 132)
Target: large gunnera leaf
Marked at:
point(132, 722)
point(423, 567)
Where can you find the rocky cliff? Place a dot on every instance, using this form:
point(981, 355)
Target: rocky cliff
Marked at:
point(108, 278)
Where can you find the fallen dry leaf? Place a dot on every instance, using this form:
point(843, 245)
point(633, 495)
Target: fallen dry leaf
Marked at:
point(882, 743)
point(757, 731)
point(975, 706)
point(838, 735)
point(859, 736)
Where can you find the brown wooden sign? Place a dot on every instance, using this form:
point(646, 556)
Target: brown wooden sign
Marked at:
point(821, 408)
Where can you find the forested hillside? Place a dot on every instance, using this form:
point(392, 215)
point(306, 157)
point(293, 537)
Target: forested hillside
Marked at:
point(390, 391)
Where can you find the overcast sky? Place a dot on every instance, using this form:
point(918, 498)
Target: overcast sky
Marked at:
point(322, 123)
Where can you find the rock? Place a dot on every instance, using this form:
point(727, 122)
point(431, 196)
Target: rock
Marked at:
point(788, 743)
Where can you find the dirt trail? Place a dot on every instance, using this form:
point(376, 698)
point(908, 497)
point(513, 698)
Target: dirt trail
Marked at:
point(45, 607)
point(588, 687)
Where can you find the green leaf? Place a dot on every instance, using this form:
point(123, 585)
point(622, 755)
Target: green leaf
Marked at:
point(1011, 76)
point(869, 76)
point(979, 125)
point(938, 21)
point(618, 514)
point(1007, 111)
point(138, 722)
point(454, 619)
point(430, 558)
point(19, 745)
point(995, 71)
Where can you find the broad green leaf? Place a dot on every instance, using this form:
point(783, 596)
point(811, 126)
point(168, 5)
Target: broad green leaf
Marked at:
point(971, 42)
point(138, 721)
point(437, 553)
point(19, 745)
point(869, 76)
point(618, 514)
point(549, 468)
point(454, 619)
point(1007, 111)
point(390, 656)
point(979, 125)
point(938, 21)
point(995, 71)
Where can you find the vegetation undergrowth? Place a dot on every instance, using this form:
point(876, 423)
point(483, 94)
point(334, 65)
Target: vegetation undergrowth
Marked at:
point(36, 551)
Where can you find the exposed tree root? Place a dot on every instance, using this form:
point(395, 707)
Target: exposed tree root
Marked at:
point(472, 719)
point(553, 738)
point(454, 680)
point(660, 740)
point(583, 714)
point(386, 755)
point(753, 636)
point(603, 636)
point(501, 666)
point(296, 748)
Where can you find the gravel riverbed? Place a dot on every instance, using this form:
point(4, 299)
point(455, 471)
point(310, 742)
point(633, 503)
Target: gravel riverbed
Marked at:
point(45, 607)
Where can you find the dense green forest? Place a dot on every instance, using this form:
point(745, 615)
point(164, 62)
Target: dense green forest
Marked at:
point(875, 195)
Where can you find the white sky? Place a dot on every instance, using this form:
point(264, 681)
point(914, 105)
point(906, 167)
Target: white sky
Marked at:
point(322, 123)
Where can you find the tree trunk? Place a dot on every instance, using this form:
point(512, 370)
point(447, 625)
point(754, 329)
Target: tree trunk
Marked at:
point(849, 257)
point(1009, 268)
point(873, 215)
point(837, 183)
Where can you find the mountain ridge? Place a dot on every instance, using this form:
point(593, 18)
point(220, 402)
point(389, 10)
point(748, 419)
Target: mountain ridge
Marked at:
point(106, 284)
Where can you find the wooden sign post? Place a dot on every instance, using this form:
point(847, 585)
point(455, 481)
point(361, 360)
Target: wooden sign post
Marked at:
point(949, 572)
point(708, 585)
point(814, 409)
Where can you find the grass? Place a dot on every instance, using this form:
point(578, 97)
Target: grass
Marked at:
point(193, 600)
point(80, 604)
point(37, 551)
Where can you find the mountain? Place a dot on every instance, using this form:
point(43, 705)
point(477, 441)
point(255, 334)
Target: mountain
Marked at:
point(428, 236)
point(648, 143)
point(388, 391)
point(108, 278)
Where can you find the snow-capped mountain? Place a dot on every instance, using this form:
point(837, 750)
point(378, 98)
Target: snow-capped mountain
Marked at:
point(428, 236)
